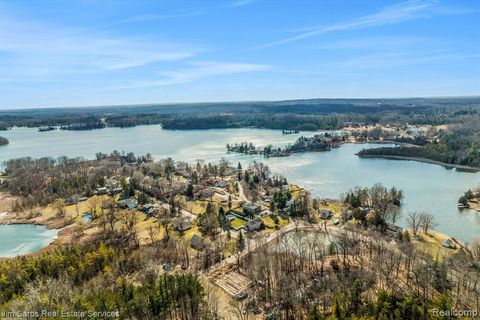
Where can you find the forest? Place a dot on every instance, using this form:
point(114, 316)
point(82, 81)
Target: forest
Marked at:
point(309, 114)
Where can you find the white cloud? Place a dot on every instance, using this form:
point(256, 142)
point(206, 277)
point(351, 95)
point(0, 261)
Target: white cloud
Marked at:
point(403, 11)
point(196, 71)
point(40, 49)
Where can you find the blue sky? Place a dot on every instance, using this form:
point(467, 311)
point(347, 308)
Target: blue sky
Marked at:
point(92, 52)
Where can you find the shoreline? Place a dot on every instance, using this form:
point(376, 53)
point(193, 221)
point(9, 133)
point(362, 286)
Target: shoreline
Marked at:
point(475, 206)
point(52, 225)
point(424, 160)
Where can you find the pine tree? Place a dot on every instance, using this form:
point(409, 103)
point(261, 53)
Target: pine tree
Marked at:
point(240, 241)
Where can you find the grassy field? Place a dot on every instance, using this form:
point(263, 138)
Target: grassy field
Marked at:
point(269, 223)
point(237, 223)
point(336, 209)
point(295, 190)
point(432, 244)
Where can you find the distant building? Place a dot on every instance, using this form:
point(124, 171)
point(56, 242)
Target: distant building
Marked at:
point(148, 209)
point(255, 225)
point(197, 243)
point(115, 191)
point(71, 200)
point(101, 190)
point(449, 244)
point(221, 184)
point(206, 193)
point(182, 225)
point(127, 203)
point(326, 214)
point(251, 208)
point(267, 199)
point(264, 213)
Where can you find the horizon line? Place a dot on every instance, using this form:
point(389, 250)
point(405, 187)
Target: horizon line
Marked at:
point(230, 101)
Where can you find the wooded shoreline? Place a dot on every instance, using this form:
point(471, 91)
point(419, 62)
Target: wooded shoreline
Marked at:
point(424, 160)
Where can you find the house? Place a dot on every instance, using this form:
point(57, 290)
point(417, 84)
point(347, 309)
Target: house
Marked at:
point(101, 191)
point(326, 214)
point(182, 225)
point(230, 217)
point(71, 200)
point(267, 199)
point(449, 244)
point(115, 191)
point(197, 243)
point(255, 225)
point(264, 213)
point(146, 207)
point(251, 208)
point(151, 212)
point(206, 193)
point(127, 203)
point(221, 184)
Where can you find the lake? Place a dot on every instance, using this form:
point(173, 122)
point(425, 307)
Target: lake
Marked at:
point(20, 239)
point(427, 187)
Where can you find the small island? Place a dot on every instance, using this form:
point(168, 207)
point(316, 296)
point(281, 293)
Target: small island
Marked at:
point(319, 142)
point(4, 141)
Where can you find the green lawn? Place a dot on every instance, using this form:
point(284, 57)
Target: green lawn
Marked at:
point(268, 221)
point(238, 223)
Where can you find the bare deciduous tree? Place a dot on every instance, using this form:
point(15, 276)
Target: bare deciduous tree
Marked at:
point(414, 221)
point(427, 222)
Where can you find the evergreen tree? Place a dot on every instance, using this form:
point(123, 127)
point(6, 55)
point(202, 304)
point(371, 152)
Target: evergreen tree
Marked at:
point(189, 191)
point(240, 241)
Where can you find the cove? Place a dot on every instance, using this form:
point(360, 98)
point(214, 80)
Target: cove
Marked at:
point(21, 239)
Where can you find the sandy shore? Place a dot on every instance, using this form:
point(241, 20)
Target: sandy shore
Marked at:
point(474, 206)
